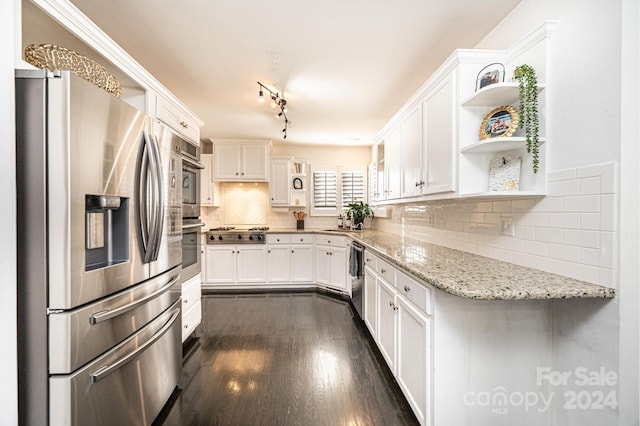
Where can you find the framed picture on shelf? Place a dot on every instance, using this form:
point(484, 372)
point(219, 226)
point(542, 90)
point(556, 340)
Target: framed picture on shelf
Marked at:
point(504, 173)
point(297, 183)
point(500, 122)
point(491, 74)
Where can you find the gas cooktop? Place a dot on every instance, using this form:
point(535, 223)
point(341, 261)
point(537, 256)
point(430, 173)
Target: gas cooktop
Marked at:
point(230, 235)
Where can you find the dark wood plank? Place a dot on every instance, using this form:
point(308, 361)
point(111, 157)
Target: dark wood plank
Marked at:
point(284, 359)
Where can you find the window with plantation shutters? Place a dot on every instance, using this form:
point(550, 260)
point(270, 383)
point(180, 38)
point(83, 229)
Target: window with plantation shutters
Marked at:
point(325, 189)
point(352, 184)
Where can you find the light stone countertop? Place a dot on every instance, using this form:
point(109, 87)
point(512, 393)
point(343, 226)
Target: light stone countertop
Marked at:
point(466, 274)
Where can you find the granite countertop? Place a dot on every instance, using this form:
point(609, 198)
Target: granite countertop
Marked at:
point(466, 274)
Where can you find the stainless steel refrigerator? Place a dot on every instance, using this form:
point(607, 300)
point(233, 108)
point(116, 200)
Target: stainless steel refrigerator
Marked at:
point(99, 254)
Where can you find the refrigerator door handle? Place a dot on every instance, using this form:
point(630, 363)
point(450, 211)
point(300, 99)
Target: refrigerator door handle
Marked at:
point(105, 370)
point(105, 315)
point(159, 198)
point(143, 189)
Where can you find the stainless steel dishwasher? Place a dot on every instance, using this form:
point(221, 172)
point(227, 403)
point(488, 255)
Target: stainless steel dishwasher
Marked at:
point(356, 271)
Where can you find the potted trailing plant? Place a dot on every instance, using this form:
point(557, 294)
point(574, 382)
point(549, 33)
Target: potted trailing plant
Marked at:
point(528, 93)
point(358, 211)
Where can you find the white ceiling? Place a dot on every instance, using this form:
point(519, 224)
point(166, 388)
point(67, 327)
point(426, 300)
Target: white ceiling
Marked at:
point(345, 66)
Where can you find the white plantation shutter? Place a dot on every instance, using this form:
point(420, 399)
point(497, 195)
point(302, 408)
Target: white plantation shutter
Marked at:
point(325, 189)
point(352, 187)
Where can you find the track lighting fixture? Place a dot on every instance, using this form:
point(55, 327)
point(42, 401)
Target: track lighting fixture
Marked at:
point(276, 101)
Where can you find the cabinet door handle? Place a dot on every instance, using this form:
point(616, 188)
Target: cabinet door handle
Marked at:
point(268, 251)
point(291, 251)
point(237, 173)
point(391, 304)
point(186, 300)
point(301, 239)
point(242, 173)
point(407, 288)
point(278, 239)
point(382, 271)
point(329, 241)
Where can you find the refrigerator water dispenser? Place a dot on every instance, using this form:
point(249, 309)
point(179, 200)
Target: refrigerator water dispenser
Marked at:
point(106, 230)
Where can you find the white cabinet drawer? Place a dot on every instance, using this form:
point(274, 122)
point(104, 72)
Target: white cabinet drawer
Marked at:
point(370, 261)
point(191, 292)
point(278, 238)
point(331, 240)
point(415, 292)
point(301, 238)
point(190, 319)
point(386, 271)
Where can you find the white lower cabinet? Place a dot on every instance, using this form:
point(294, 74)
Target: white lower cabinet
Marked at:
point(331, 267)
point(228, 264)
point(191, 306)
point(370, 298)
point(387, 322)
point(413, 357)
point(397, 313)
point(278, 263)
point(301, 263)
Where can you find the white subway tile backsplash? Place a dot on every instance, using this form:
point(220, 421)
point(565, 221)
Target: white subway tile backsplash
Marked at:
point(571, 232)
point(563, 188)
point(562, 175)
point(582, 204)
point(608, 209)
point(590, 186)
point(590, 221)
point(589, 256)
point(502, 206)
point(564, 220)
point(536, 247)
point(549, 235)
point(581, 272)
point(564, 252)
point(607, 277)
point(595, 170)
point(549, 205)
point(607, 250)
point(525, 232)
point(609, 180)
point(581, 238)
point(522, 205)
point(534, 219)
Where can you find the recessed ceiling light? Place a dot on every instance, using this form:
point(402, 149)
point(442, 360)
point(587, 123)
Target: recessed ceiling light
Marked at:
point(353, 140)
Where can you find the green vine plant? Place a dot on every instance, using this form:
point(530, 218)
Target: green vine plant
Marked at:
point(528, 93)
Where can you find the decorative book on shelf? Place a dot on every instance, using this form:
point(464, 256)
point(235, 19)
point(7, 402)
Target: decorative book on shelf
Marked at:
point(504, 173)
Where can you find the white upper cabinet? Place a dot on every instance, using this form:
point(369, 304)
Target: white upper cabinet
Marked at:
point(237, 160)
point(177, 119)
point(441, 155)
point(439, 118)
point(279, 181)
point(411, 146)
point(393, 165)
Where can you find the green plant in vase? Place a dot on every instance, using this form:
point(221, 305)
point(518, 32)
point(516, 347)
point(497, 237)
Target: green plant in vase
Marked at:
point(358, 211)
point(528, 94)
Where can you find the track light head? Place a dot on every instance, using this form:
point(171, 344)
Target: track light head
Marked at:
point(276, 101)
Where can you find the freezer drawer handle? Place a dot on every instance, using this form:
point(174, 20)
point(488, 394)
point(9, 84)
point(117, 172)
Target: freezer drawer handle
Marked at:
point(105, 370)
point(101, 316)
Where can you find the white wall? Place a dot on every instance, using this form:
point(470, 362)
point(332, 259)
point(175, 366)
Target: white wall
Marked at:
point(8, 359)
point(594, 113)
point(584, 67)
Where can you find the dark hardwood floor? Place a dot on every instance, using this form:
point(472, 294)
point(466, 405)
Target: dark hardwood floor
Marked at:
point(284, 359)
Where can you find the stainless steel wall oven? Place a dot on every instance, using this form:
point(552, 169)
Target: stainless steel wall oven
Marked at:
point(191, 223)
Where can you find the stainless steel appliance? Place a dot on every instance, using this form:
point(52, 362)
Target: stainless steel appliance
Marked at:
point(191, 168)
point(230, 235)
point(356, 271)
point(99, 242)
point(191, 223)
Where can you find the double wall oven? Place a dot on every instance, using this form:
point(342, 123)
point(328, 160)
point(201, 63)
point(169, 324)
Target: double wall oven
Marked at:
point(191, 222)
